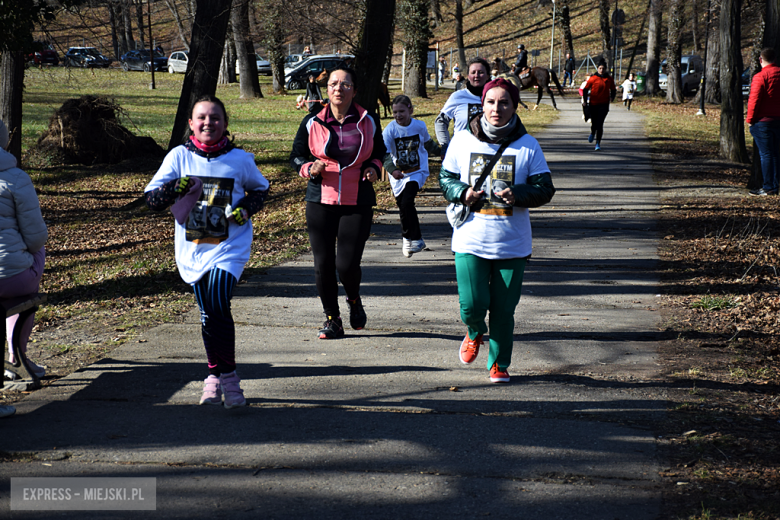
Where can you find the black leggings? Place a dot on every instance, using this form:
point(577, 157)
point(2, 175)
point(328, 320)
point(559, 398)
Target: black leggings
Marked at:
point(407, 211)
point(351, 226)
point(598, 113)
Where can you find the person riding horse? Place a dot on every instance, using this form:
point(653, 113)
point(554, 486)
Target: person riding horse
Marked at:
point(522, 60)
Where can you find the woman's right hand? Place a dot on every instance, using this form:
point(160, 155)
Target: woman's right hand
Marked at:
point(315, 169)
point(472, 196)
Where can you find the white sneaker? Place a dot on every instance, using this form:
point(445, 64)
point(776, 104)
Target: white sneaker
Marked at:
point(407, 248)
point(38, 370)
point(416, 246)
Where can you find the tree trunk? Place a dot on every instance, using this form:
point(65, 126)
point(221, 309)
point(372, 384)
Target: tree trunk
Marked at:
point(695, 26)
point(638, 39)
point(374, 39)
point(11, 87)
point(712, 84)
point(732, 127)
point(413, 21)
point(179, 25)
point(249, 86)
point(128, 22)
point(653, 47)
point(389, 57)
point(139, 14)
point(606, 42)
point(274, 35)
point(674, 93)
point(565, 19)
point(208, 37)
point(436, 12)
point(459, 37)
point(771, 38)
point(112, 20)
point(227, 66)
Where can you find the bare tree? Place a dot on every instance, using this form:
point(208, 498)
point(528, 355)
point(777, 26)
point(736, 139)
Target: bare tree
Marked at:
point(183, 33)
point(653, 47)
point(11, 87)
point(436, 12)
point(274, 36)
point(227, 66)
point(139, 15)
point(208, 38)
point(112, 20)
point(128, 24)
point(412, 16)
point(606, 41)
point(732, 126)
point(695, 26)
point(459, 34)
point(245, 51)
point(564, 18)
point(674, 92)
point(374, 39)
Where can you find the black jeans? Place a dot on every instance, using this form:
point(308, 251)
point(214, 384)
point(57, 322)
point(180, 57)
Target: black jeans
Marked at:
point(410, 223)
point(598, 113)
point(351, 226)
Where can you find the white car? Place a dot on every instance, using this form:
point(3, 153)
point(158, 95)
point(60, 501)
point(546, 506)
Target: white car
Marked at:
point(177, 62)
point(293, 60)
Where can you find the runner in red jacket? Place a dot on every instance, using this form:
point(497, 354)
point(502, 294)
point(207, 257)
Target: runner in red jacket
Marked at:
point(600, 90)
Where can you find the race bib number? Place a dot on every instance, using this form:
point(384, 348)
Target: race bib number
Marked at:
point(207, 223)
point(499, 179)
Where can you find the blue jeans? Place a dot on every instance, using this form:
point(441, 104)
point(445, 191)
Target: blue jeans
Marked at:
point(766, 136)
point(567, 75)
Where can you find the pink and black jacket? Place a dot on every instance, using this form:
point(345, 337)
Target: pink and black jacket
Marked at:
point(338, 185)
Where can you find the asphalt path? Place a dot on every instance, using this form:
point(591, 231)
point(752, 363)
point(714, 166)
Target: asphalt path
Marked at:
point(386, 422)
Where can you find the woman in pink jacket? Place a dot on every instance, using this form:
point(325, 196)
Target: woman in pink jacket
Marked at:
point(340, 150)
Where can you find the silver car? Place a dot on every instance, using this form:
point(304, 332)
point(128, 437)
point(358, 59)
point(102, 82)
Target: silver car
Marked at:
point(178, 62)
point(263, 66)
point(691, 69)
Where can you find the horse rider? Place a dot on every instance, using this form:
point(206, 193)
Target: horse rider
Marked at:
point(522, 59)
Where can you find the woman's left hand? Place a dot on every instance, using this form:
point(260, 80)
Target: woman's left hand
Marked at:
point(371, 175)
point(507, 196)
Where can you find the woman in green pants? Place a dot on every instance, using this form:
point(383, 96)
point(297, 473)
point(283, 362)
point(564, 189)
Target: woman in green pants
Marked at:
point(494, 243)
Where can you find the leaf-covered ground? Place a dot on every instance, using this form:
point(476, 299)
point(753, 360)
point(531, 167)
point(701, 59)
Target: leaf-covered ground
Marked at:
point(719, 260)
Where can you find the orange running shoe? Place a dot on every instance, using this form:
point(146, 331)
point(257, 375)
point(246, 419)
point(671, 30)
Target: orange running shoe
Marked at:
point(469, 349)
point(498, 374)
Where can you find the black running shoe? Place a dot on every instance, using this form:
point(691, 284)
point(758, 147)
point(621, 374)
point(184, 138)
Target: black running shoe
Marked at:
point(332, 328)
point(357, 316)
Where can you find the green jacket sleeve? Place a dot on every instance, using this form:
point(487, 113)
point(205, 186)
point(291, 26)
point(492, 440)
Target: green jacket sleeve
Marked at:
point(451, 186)
point(537, 191)
point(388, 163)
point(432, 147)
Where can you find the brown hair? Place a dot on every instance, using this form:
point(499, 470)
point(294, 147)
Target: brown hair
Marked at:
point(402, 100)
point(768, 54)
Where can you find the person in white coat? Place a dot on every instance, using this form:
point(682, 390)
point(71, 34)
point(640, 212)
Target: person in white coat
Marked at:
point(629, 87)
point(23, 234)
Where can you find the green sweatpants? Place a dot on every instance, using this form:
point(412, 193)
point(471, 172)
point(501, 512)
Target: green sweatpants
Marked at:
point(490, 285)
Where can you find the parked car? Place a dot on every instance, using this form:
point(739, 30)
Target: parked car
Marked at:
point(293, 60)
point(299, 76)
point(746, 78)
point(44, 54)
point(263, 66)
point(691, 69)
point(85, 57)
point(177, 61)
point(142, 60)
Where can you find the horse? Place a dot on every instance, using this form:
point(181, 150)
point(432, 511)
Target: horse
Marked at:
point(539, 77)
